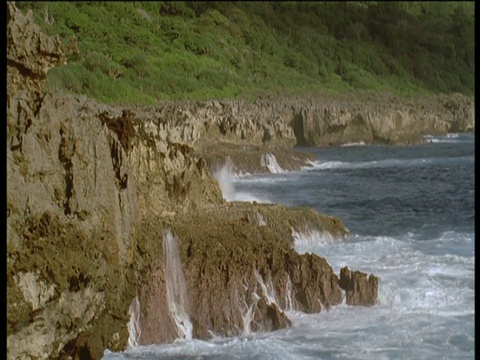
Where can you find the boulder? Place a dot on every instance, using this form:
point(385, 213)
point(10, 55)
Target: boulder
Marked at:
point(360, 289)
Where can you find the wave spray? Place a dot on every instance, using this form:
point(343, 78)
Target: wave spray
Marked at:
point(176, 288)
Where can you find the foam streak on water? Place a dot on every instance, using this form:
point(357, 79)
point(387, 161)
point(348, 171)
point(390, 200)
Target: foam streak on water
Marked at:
point(176, 288)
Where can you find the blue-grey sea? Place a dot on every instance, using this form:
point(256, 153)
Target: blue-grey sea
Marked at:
point(410, 211)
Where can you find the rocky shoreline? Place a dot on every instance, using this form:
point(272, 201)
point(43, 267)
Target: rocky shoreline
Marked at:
point(93, 190)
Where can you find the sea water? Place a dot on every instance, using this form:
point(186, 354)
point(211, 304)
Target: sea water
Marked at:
point(410, 212)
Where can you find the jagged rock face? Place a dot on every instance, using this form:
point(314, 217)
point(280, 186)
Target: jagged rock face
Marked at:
point(73, 206)
point(91, 189)
point(242, 273)
point(360, 289)
point(233, 265)
point(70, 226)
point(218, 129)
point(380, 119)
point(232, 121)
point(30, 55)
point(277, 125)
point(246, 130)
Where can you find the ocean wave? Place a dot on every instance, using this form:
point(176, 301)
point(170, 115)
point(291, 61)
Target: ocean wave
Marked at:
point(311, 237)
point(262, 345)
point(270, 162)
point(226, 178)
point(449, 138)
point(436, 140)
point(386, 163)
point(411, 280)
point(265, 179)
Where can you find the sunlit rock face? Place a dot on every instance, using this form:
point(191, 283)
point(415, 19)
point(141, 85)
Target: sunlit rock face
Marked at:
point(94, 189)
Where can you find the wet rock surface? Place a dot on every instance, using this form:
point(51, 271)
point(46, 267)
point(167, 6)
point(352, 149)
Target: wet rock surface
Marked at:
point(93, 188)
point(360, 289)
point(233, 264)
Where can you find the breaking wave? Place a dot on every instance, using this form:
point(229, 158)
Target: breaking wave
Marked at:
point(270, 161)
point(226, 177)
point(311, 237)
point(448, 138)
point(387, 163)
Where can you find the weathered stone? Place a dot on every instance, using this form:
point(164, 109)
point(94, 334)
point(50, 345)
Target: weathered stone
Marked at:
point(91, 188)
point(360, 289)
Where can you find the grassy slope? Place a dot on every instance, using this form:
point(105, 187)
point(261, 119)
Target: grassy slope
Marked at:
point(139, 52)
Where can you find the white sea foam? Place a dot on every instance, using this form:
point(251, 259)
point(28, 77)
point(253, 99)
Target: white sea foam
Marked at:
point(309, 237)
point(325, 165)
point(448, 138)
point(247, 311)
point(426, 292)
point(176, 288)
point(270, 161)
point(266, 179)
point(226, 178)
point(360, 143)
point(453, 135)
point(386, 163)
point(267, 289)
point(426, 311)
point(412, 281)
point(134, 328)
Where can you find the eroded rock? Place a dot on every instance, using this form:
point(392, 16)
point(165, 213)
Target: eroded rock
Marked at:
point(91, 189)
point(360, 289)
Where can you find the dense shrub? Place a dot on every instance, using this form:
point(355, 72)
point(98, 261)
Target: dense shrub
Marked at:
point(143, 51)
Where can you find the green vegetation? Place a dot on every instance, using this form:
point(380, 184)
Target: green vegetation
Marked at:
point(140, 52)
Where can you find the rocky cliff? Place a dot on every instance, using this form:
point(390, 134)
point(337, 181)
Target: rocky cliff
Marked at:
point(102, 199)
point(245, 131)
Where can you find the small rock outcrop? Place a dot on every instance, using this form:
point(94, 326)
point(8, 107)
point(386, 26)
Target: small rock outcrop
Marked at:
point(360, 289)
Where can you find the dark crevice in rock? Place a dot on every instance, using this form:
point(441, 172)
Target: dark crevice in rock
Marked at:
point(121, 181)
point(78, 282)
point(266, 135)
point(122, 126)
point(222, 127)
point(77, 352)
point(298, 130)
point(66, 152)
point(25, 71)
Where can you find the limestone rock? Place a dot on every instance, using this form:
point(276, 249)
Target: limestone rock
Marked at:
point(91, 188)
point(360, 289)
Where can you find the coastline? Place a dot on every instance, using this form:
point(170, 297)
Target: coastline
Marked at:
point(93, 188)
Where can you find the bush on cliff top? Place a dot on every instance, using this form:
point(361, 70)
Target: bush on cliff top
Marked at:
point(140, 52)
